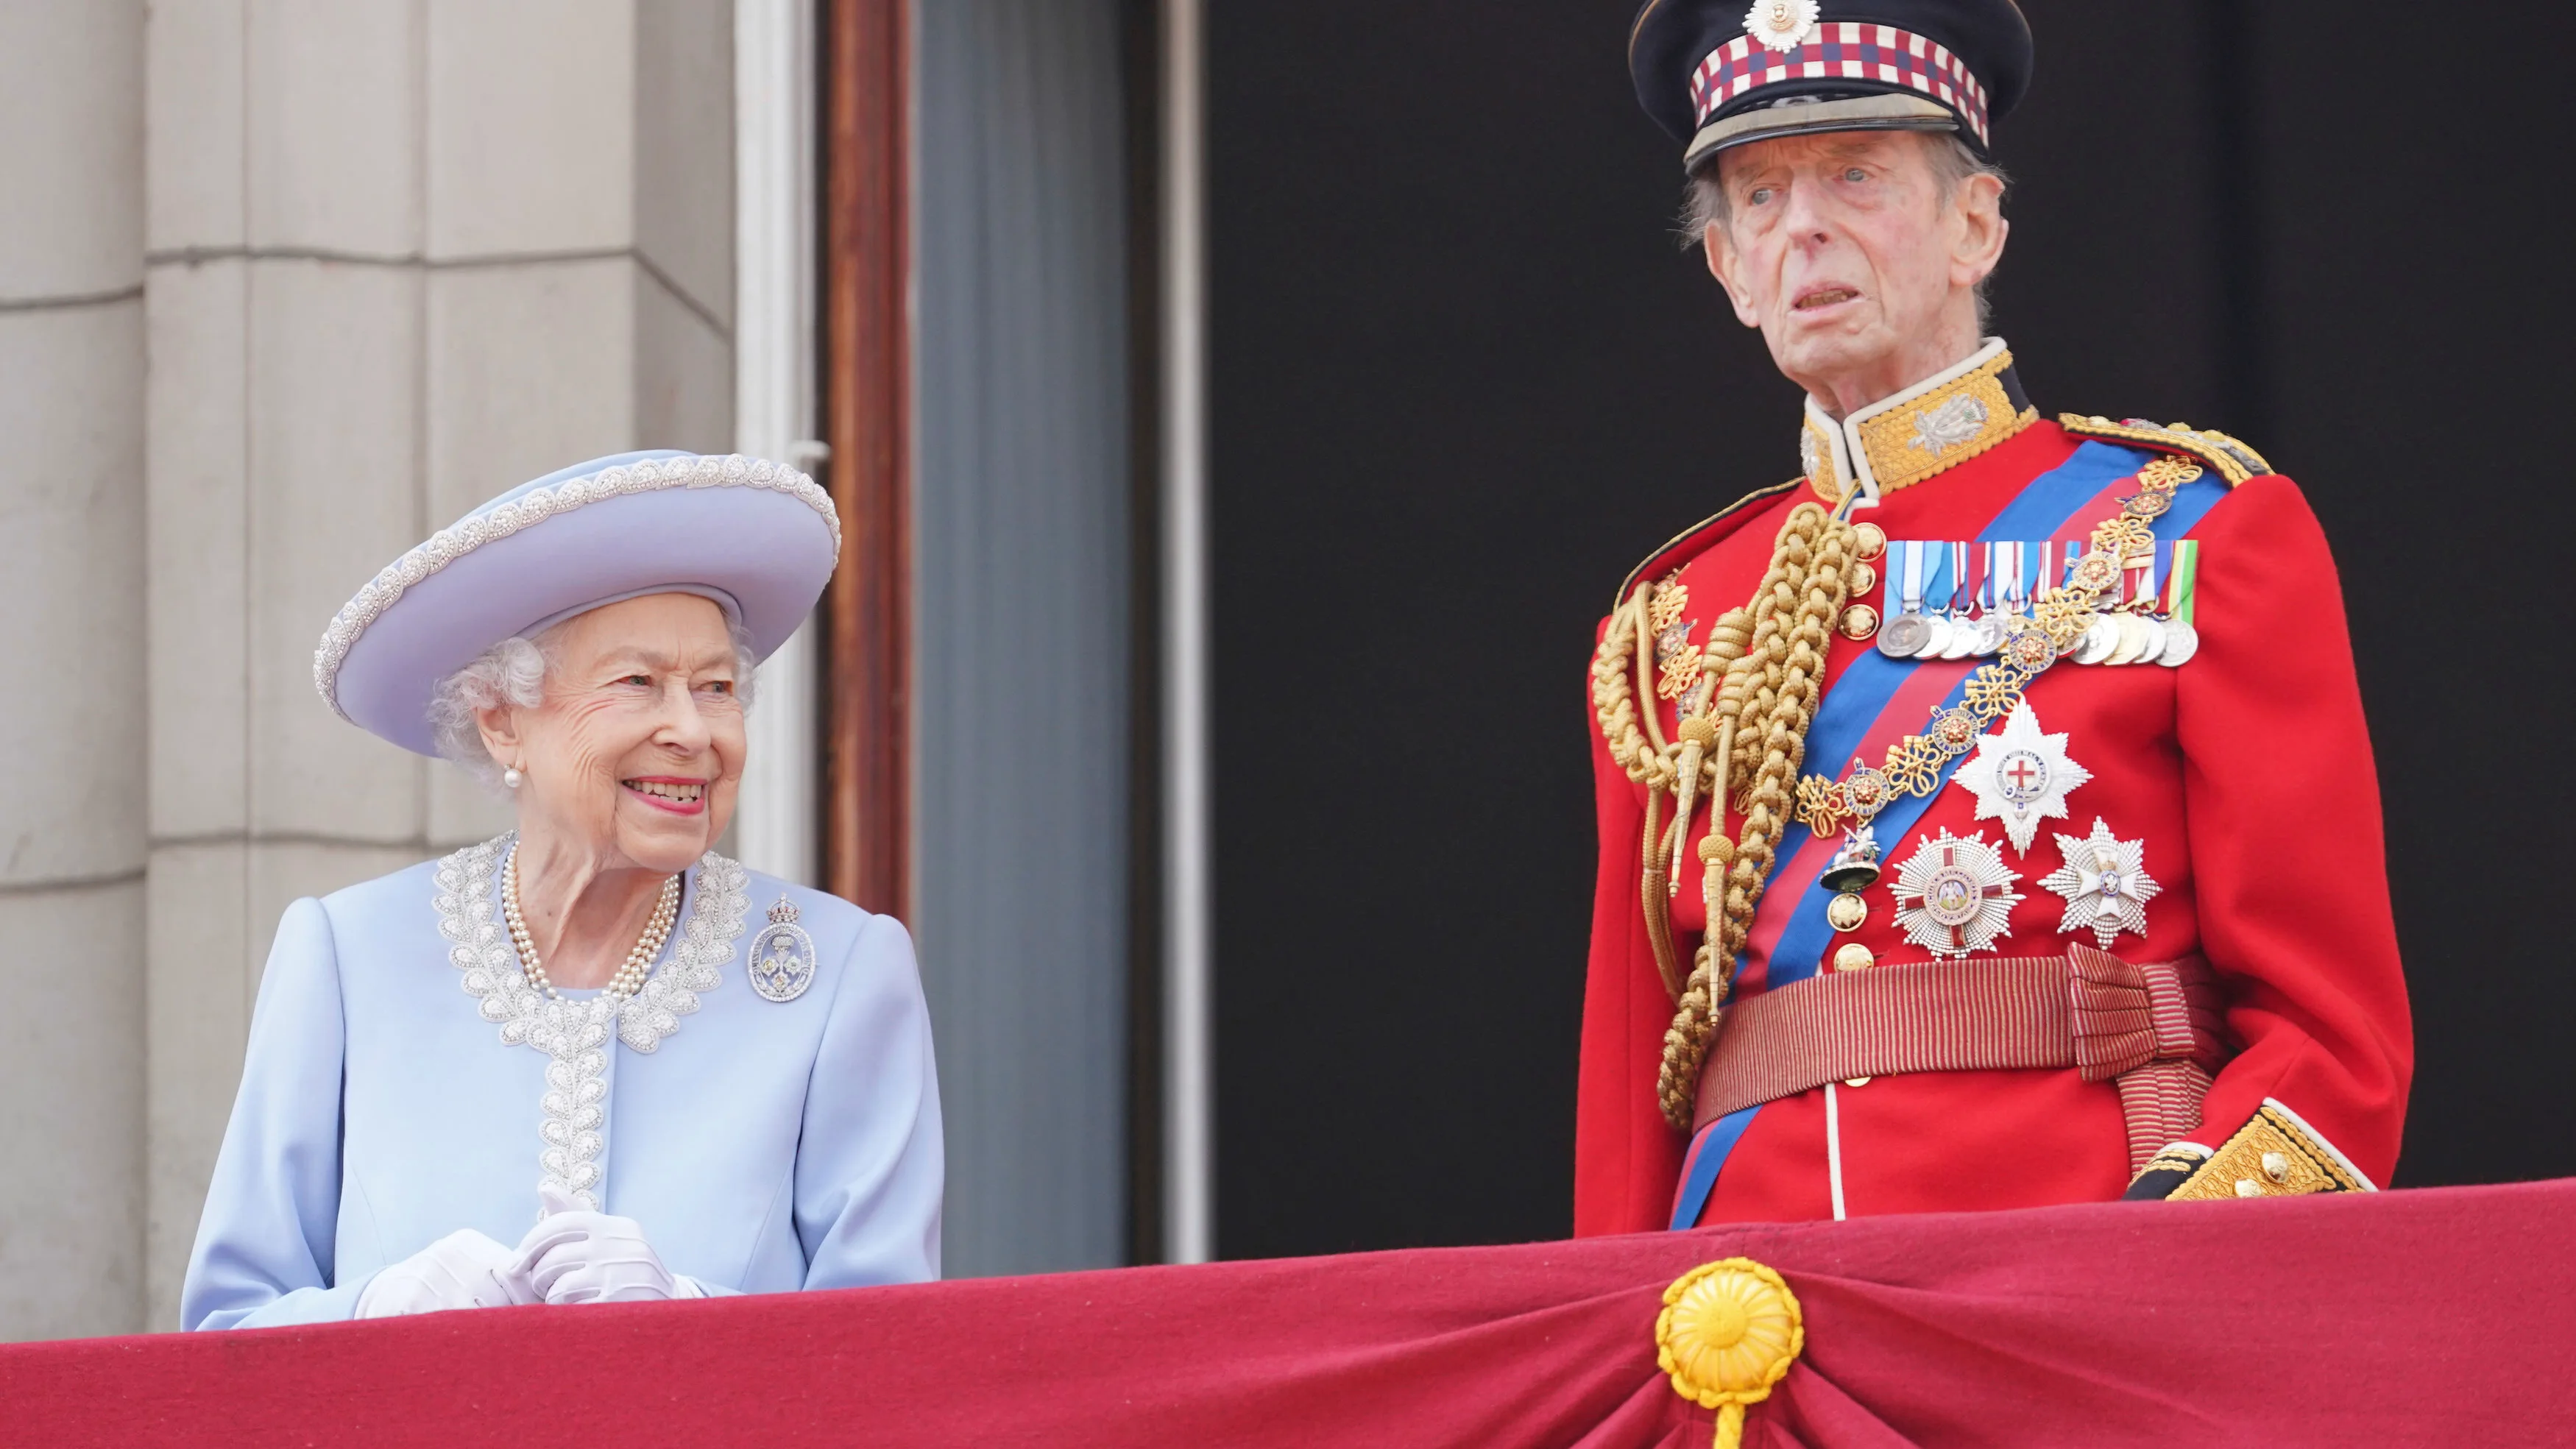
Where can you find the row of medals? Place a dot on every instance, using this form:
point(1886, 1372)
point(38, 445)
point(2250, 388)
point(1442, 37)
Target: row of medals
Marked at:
point(2133, 632)
point(2130, 632)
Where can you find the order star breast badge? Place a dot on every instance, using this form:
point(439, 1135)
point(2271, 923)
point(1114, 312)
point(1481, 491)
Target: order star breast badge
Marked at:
point(1955, 895)
point(2021, 776)
point(2105, 883)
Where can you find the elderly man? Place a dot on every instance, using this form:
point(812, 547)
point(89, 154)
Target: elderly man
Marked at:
point(1987, 815)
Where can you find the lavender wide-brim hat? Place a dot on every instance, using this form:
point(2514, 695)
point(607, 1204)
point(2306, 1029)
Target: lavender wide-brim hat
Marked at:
point(757, 537)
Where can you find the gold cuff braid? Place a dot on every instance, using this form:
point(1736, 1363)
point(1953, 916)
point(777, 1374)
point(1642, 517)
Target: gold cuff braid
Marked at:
point(2274, 1155)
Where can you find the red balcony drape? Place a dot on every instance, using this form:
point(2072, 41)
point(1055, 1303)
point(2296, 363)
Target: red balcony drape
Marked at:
point(2438, 1316)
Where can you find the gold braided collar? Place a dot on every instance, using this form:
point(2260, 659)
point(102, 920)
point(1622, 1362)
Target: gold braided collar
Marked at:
point(1937, 424)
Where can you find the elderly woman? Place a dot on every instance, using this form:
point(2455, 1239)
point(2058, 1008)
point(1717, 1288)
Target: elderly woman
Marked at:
point(592, 1059)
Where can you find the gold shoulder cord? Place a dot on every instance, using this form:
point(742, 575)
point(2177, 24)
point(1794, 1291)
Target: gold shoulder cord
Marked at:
point(1770, 658)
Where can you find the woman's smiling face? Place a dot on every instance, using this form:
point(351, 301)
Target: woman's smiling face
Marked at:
point(636, 752)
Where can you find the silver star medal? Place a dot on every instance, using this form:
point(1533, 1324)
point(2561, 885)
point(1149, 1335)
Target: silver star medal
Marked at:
point(1956, 895)
point(2021, 776)
point(2105, 883)
point(782, 955)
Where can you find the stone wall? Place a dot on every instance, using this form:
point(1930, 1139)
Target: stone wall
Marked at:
point(71, 521)
point(379, 261)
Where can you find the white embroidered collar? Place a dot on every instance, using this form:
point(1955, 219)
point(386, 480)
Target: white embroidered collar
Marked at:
point(575, 1033)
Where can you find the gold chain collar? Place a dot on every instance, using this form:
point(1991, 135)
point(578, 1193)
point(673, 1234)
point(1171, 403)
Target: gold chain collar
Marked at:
point(1915, 765)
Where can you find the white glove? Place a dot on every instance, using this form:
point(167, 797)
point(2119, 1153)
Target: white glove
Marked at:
point(573, 1255)
point(465, 1269)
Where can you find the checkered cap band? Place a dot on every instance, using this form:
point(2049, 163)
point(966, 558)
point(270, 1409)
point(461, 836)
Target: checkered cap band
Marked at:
point(1842, 50)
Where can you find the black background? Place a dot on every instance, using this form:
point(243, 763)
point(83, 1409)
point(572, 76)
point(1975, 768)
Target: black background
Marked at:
point(1463, 378)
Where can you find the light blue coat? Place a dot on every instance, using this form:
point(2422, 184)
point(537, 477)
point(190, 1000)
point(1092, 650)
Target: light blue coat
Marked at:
point(762, 1145)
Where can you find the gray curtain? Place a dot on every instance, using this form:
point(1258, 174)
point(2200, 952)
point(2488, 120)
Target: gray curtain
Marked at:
point(1022, 560)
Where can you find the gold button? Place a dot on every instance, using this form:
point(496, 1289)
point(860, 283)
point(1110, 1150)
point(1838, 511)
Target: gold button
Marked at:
point(1863, 579)
point(2276, 1167)
point(1848, 912)
point(1868, 541)
point(2248, 1187)
point(1854, 957)
point(1860, 621)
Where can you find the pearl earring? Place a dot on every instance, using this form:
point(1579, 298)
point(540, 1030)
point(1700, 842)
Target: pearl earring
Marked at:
point(512, 778)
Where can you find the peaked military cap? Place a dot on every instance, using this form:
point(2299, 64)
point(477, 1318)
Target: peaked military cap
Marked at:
point(1716, 75)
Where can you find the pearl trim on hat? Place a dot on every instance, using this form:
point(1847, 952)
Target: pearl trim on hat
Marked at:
point(462, 537)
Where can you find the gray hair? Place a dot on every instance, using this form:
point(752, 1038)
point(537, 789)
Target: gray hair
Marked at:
point(1705, 204)
point(513, 672)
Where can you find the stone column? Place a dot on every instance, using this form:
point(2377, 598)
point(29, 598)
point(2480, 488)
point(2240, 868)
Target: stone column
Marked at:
point(71, 510)
point(404, 255)
point(285, 333)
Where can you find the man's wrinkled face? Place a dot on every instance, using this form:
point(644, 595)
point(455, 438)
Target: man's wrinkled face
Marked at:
point(1842, 249)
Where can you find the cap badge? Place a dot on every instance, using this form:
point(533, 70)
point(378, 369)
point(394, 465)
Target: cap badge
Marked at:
point(1781, 24)
point(782, 955)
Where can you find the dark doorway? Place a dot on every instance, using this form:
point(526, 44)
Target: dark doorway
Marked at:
point(1463, 378)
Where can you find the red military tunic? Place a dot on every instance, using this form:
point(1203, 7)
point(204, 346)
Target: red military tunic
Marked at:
point(2246, 773)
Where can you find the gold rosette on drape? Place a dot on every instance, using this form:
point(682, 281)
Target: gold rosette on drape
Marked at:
point(1728, 1332)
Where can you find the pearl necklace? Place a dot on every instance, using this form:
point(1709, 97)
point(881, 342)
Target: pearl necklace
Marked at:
point(639, 962)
